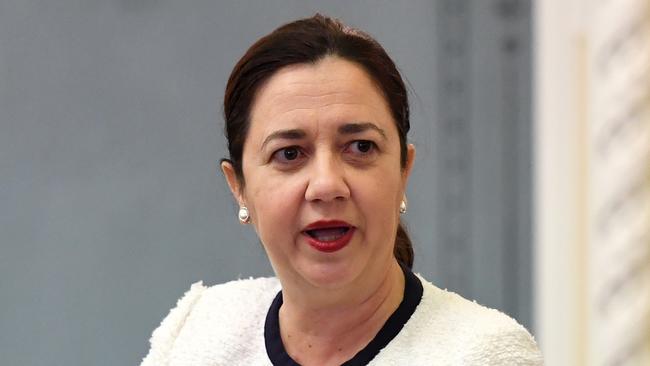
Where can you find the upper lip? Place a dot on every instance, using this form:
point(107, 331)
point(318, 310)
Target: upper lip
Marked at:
point(326, 224)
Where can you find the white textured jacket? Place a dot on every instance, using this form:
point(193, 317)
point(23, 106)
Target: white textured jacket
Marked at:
point(224, 325)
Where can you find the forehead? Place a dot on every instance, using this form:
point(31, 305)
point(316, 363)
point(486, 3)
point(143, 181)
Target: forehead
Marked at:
point(329, 92)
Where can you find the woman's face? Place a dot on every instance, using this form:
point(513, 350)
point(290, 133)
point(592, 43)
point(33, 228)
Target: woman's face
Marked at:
point(323, 181)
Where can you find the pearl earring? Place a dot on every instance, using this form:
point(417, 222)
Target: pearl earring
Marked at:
point(402, 207)
point(243, 215)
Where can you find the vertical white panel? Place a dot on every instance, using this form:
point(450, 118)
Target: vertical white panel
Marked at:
point(560, 181)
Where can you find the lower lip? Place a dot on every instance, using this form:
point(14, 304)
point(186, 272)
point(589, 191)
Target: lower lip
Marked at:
point(331, 246)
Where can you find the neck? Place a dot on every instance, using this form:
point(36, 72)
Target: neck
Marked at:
point(334, 332)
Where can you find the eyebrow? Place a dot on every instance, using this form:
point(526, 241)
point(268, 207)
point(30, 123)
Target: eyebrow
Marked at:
point(293, 134)
point(346, 129)
point(358, 127)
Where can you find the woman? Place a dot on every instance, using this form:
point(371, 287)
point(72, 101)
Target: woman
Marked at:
point(316, 120)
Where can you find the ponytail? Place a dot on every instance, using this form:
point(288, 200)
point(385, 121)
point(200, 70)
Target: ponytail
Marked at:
point(403, 249)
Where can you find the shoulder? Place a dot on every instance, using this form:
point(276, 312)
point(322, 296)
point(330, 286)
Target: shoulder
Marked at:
point(446, 326)
point(205, 315)
point(487, 336)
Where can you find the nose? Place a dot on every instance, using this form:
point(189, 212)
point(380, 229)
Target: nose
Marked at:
point(327, 180)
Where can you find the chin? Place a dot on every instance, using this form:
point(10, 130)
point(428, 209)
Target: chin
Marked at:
point(332, 275)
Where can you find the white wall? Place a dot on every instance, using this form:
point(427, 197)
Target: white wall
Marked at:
point(592, 123)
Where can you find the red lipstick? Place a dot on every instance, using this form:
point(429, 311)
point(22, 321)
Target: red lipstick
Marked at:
point(328, 235)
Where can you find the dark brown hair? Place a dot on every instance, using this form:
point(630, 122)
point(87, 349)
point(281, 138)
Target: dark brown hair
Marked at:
point(308, 41)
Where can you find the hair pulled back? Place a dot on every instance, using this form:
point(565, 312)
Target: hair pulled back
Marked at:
point(308, 41)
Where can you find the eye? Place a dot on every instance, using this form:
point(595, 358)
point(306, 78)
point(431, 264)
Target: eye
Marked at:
point(287, 155)
point(362, 147)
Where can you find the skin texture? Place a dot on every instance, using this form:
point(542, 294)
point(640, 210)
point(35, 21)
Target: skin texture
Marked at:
point(307, 158)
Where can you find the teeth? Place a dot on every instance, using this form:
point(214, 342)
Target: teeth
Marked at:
point(329, 234)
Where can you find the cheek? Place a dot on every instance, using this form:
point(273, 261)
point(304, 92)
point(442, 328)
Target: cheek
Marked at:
point(378, 197)
point(274, 203)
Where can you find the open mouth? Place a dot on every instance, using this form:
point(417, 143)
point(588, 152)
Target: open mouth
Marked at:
point(328, 234)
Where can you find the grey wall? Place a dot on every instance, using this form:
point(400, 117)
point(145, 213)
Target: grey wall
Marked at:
point(483, 146)
point(111, 202)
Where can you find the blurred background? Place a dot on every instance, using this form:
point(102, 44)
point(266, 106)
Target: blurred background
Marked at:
point(530, 193)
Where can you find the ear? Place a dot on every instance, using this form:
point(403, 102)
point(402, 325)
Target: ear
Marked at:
point(410, 158)
point(233, 182)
